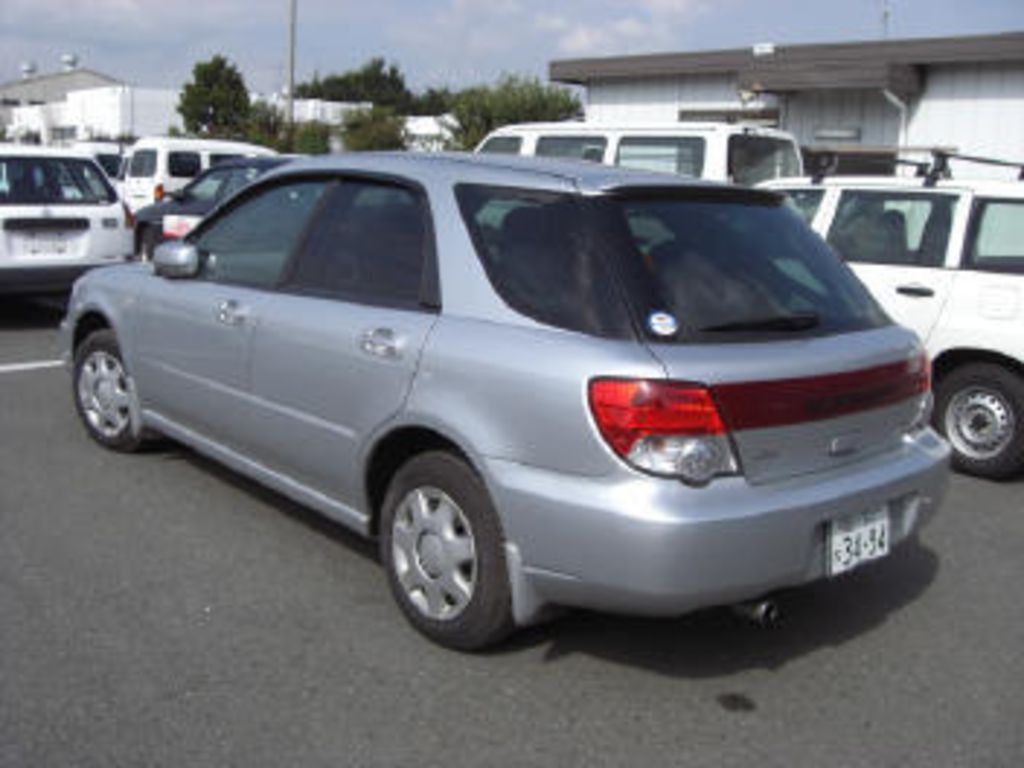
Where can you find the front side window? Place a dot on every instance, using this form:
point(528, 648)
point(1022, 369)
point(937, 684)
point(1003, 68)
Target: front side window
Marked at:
point(997, 240)
point(502, 145)
point(897, 228)
point(804, 201)
point(726, 265)
point(183, 165)
point(572, 147)
point(52, 181)
point(542, 255)
point(753, 159)
point(250, 243)
point(369, 244)
point(143, 164)
point(683, 155)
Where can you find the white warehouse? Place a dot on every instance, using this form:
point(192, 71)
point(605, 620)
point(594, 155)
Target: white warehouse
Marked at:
point(862, 99)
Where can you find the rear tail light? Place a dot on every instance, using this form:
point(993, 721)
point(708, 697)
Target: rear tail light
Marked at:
point(920, 368)
point(158, 192)
point(129, 220)
point(666, 428)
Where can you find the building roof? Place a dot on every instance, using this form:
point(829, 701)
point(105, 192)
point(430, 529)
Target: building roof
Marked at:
point(892, 64)
point(54, 86)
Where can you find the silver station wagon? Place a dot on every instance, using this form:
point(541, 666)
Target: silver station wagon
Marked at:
point(537, 383)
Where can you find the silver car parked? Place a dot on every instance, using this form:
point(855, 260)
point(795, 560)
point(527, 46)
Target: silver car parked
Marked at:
point(539, 384)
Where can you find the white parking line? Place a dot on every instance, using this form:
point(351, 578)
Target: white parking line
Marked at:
point(35, 365)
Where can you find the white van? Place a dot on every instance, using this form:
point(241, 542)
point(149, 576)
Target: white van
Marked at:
point(736, 152)
point(107, 154)
point(161, 165)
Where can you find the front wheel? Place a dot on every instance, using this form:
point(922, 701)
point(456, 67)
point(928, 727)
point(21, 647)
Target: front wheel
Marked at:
point(443, 550)
point(104, 397)
point(980, 410)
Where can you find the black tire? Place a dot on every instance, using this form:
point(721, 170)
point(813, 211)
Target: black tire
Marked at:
point(486, 618)
point(148, 241)
point(996, 395)
point(103, 403)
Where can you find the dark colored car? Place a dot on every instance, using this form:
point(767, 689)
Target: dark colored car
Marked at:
point(175, 216)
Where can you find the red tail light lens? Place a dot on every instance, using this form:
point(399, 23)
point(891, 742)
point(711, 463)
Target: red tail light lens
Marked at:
point(663, 427)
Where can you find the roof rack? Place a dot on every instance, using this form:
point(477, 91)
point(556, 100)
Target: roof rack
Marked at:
point(823, 159)
point(940, 165)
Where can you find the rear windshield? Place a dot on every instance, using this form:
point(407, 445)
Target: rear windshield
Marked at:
point(143, 164)
point(721, 266)
point(52, 181)
point(753, 159)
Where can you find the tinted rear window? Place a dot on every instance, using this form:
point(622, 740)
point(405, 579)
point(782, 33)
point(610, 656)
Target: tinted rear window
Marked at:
point(143, 164)
point(542, 256)
point(725, 268)
point(221, 157)
point(52, 181)
point(572, 147)
point(502, 145)
point(183, 165)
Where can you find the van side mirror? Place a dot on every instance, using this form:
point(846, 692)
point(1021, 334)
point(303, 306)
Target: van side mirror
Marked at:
point(176, 259)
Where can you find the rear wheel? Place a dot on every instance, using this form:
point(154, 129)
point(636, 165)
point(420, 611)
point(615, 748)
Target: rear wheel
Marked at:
point(104, 397)
point(443, 550)
point(980, 410)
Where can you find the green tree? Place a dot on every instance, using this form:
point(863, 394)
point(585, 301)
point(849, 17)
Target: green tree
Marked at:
point(216, 102)
point(266, 125)
point(313, 138)
point(433, 101)
point(376, 81)
point(513, 99)
point(370, 129)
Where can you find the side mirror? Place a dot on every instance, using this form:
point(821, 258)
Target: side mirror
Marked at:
point(176, 259)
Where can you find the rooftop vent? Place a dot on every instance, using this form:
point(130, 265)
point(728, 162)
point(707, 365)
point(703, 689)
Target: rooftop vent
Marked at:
point(69, 62)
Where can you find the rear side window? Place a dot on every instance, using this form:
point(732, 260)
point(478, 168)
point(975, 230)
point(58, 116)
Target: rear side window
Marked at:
point(250, 243)
point(572, 147)
point(753, 159)
point(542, 255)
point(725, 267)
point(684, 155)
point(110, 163)
point(143, 164)
point(898, 228)
point(502, 145)
point(221, 157)
point(183, 165)
point(804, 201)
point(52, 181)
point(369, 244)
point(997, 236)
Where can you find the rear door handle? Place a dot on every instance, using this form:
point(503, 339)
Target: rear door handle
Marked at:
point(915, 290)
point(380, 342)
point(230, 312)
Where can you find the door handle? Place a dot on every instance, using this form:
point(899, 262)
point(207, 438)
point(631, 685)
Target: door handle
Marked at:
point(229, 312)
point(380, 342)
point(915, 290)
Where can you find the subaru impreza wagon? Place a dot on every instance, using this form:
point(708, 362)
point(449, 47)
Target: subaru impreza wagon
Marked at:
point(537, 383)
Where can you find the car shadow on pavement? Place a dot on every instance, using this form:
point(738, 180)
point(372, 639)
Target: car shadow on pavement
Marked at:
point(707, 644)
point(30, 314)
point(717, 642)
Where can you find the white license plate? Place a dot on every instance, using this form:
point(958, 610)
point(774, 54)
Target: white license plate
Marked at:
point(856, 539)
point(44, 245)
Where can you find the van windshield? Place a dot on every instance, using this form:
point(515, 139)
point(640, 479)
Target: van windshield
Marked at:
point(753, 159)
point(724, 265)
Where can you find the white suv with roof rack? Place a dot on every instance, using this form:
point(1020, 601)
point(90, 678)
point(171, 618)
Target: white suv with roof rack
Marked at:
point(945, 258)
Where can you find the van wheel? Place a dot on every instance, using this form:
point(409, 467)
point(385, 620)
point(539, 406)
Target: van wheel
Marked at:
point(443, 550)
point(104, 394)
point(980, 409)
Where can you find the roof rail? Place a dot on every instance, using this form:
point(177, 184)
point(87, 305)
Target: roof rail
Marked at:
point(941, 158)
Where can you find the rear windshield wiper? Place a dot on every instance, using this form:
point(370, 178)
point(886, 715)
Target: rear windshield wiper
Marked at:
point(798, 322)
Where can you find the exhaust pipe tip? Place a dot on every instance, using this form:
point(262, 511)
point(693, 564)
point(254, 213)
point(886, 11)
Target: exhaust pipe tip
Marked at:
point(762, 613)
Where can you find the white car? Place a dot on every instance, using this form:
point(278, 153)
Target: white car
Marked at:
point(946, 259)
point(59, 216)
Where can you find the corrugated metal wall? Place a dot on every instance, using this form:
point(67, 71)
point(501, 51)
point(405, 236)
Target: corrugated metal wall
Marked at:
point(657, 100)
point(812, 116)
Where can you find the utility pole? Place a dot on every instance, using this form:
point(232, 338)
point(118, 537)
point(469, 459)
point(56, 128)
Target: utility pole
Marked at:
point(886, 17)
point(291, 66)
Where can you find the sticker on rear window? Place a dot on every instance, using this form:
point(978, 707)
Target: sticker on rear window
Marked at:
point(662, 324)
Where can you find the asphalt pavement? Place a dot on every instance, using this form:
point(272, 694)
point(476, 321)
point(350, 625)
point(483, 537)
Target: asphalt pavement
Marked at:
point(158, 610)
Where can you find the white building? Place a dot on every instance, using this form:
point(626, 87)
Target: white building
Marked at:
point(864, 99)
point(426, 133)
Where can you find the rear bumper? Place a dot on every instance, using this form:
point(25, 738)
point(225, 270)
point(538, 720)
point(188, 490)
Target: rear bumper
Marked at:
point(40, 280)
point(642, 545)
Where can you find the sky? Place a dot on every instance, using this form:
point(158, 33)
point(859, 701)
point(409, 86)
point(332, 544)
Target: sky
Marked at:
point(154, 43)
